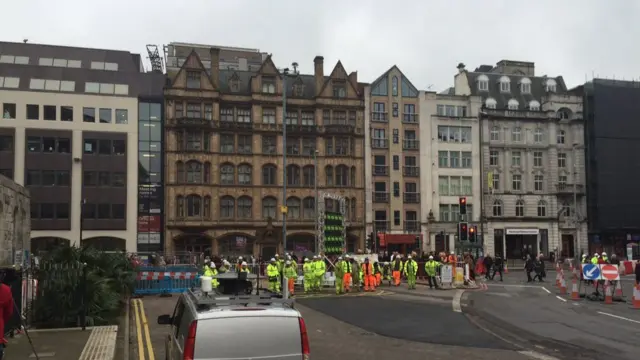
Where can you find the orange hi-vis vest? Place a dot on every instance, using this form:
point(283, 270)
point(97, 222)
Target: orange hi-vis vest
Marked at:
point(367, 269)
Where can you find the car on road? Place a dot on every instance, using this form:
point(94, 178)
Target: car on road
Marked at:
point(227, 323)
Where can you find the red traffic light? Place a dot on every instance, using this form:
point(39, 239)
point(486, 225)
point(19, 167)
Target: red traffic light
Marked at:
point(463, 227)
point(463, 201)
point(471, 230)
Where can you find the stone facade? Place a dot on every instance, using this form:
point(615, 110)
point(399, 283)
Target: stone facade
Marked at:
point(15, 222)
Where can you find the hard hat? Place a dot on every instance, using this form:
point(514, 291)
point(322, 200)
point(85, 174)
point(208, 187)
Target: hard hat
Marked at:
point(430, 257)
point(604, 253)
point(239, 257)
point(226, 262)
point(288, 256)
point(306, 259)
point(272, 259)
point(409, 257)
point(346, 256)
point(339, 257)
point(244, 263)
point(584, 255)
point(277, 255)
point(213, 265)
point(453, 253)
point(315, 256)
point(596, 254)
point(288, 262)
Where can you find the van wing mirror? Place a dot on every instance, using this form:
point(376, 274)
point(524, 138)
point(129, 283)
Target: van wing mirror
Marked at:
point(165, 320)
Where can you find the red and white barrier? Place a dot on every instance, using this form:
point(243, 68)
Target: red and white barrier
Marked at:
point(628, 267)
point(156, 275)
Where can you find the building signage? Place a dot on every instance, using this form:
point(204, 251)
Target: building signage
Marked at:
point(523, 231)
point(149, 199)
point(149, 223)
point(149, 238)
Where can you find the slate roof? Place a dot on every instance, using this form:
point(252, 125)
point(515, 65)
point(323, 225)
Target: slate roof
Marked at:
point(308, 81)
point(538, 89)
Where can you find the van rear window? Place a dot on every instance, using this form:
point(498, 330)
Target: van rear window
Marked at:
point(255, 337)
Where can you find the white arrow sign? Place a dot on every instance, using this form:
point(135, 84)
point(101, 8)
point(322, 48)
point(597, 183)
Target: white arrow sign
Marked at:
point(589, 273)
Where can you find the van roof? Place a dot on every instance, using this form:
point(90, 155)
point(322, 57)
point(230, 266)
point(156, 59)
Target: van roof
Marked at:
point(217, 305)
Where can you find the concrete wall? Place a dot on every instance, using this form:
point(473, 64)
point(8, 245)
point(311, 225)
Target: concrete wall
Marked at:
point(15, 221)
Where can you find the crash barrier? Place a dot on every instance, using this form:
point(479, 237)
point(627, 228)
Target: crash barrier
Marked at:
point(628, 267)
point(159, 281)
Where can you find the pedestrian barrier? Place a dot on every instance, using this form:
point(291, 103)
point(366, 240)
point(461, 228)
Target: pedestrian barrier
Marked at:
point(164, 282)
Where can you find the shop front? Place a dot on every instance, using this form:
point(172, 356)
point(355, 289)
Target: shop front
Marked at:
point(517, 243)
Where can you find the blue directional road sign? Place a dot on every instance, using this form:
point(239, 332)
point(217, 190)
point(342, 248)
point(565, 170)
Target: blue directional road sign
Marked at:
point(591, 272)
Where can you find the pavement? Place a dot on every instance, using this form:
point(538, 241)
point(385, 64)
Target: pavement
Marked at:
point(51, 345)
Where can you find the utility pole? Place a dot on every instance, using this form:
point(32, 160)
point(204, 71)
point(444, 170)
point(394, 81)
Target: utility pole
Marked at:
point(575, 200)
point(315, 189)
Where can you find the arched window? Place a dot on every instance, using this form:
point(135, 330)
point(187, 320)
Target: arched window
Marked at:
point(534, 105)
point(525, 86)
point(495, 133)
point(293, 208)
point(269, 172)
point(352, 180)
point(505, 84)
point(179, 172)
point(497, 208)
point(483, 83)
point(328, 172)
point(244, 174)
point(206, 207)
point(342, 175)
point(520, 208)
point(293, 175)
point(513, 104)
point(347, 207)
point(245, 205)
point(194, 206)
point(490, 103)
point(353, 209)
point(309, 208)
point(550, 85)
point(394, 86)
point(566, 208)
point(227, 174)
point(542, 208)
point(194, 172)
point(179, 206)
point(563, 114)
point(309, 175)
point(227, 207)
point(207, 173)
point(269, 205)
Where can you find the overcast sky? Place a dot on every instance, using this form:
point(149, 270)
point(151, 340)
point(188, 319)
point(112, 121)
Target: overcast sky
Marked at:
point(426, 39)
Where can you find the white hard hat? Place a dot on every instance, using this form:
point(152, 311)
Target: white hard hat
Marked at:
point(430, 257)
point(596, 254)
point(604, 253)
point(227, 262)
point(213, 265)
point(277, 255)
point(315, 256)
point(244, 263)
point(339, 257)
point(288, 262)
point(239, 257)
point(409, 257)
point(273, 259)
point(288, 256)
point(346, 256)
point(306, 259)
point(452, 252)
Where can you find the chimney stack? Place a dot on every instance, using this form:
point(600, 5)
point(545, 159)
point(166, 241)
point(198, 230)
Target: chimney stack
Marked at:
point(318, 73)
point(215, 66)
point(353, 77)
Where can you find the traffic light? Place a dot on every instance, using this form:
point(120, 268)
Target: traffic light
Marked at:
point(463, 231)
point(367, 244)
point(472, 233)
point(463, 205)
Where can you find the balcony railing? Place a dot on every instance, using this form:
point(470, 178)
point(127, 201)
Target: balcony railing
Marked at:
point(380, 143)
point(380, 197)
point(564, 188)
point(380, 170)
point(411, 170)
point(379, 116)
point(410, 144)
point(410, 118)
point(381, 226)
point(411, 226)
point(411, 198)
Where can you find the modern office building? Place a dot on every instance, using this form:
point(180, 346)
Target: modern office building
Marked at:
point(69, 133)
point(224, 156)
point(532, 141)
point(612, 139)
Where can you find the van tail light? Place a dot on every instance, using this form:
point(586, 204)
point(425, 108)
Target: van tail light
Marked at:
point(304, 339)
point(190, 342)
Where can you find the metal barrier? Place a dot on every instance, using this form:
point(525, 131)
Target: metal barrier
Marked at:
point(158, 281)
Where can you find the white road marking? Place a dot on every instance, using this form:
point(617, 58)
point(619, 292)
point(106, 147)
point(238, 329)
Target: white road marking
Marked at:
point(537, 355)
point(545, 289)
point(514, 286)
point(457, 307)
point(619, 317)
point(561, 299)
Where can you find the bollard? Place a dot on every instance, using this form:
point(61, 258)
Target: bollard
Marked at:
point(608, 294)
point(636, 297)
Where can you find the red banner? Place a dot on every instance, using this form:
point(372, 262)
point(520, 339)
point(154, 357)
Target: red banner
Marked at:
point(149, 224)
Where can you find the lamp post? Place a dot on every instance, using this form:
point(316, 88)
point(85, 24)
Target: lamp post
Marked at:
point(315, 202)
point(575, 200)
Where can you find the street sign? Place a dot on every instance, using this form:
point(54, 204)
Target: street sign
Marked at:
point(590, 272)
point(609, 272)
point(446, 274)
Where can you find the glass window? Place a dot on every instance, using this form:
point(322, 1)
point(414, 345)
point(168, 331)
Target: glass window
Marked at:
point(111, 66)
point(143, 111)
point(66, 113)
point(122, 116)
point(33, 112)
point(149, 131)
point(105, 116)
point(150, 166)
point(156, 112)
point(97, 65)
point(121, 89)
point(104, 147)
point(91, 87)
point(52, 85)
point(89, 115)
point(36, 84)
point(74, 63)
point(45, 62)
point(119, 147)
point(50, 112)
point(106, 88)
point(151, 146)
point(68, 86)
point(90, 146)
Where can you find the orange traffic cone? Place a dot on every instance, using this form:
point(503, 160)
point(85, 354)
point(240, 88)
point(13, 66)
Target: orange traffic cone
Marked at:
point(608, 294)
point(636, 297)
point(618, 291)
point(506, 268)
point(557, 278)
point(574, 289)
point(563, 286)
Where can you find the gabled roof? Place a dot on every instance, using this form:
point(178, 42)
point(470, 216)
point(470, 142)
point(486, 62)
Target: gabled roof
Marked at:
point(268, 61)
point(193, 54)
point(386, 74)
point(339, 67)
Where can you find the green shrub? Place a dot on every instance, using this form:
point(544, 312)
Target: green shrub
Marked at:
point(73, 281)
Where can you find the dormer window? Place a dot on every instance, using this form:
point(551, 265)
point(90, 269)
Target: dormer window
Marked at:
point(550, 85)
point(534, 105)
point(234, 85)
point(298, 90)
point(525, 86)
point(339, 90)
point(193, 79)
point(505, 84)
point(483, 83)
point(513, 104)
point(268, 85)
point(490, 103)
